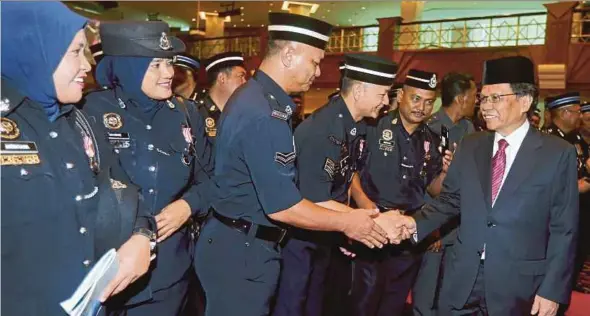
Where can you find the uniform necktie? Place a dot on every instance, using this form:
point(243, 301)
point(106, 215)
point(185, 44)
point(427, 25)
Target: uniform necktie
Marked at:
point(498, 168)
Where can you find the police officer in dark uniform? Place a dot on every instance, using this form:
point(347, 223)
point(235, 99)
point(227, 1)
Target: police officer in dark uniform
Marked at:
point(565, 116)
point(63, 205)
point(239, 251)
point(186, 76)
point(403, 162)
point(225, 72)
point(583, 145)
point(160, 143)
point(458, 94)
point(330, 149)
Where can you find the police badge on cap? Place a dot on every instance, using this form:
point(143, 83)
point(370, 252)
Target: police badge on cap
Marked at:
point(421, 79)
point(299, 28)
point(371, 69)
point(141, 39)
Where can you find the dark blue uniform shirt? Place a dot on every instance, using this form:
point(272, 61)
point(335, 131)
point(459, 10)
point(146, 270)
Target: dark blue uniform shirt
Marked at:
point(255, 154)
point(210, 113)
point(51, 193)
point(330, 148)
point(166, 154)
point(575, 139)
point(400, 166)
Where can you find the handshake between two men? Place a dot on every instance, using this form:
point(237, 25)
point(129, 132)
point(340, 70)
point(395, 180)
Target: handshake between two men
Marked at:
point(389, 227)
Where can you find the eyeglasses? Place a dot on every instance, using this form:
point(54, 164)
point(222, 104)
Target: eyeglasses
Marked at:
point(493, 98)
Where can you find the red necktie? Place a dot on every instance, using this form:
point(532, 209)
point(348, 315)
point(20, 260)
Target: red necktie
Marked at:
point(498, 168)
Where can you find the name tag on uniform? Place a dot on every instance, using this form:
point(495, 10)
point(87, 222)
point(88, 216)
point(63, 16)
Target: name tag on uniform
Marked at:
point(14, 153)
point(119, 140)
point(385, 145)
point(280, 115)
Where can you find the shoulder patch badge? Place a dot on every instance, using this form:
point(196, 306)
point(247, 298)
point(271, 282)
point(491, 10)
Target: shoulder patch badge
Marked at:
point(9, 130)
point(210, 122)
point(387, 134)
point(285, 158)
point(112, 120)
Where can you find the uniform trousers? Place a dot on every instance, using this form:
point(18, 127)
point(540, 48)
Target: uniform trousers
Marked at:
point(169, 301)
point(239, 273)
point(304, 274)
point(382, 280)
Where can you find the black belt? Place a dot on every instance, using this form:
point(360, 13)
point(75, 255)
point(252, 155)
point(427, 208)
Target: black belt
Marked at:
point(272, 234)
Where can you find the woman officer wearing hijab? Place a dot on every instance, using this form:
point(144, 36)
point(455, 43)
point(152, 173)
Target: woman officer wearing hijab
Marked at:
point(55, 177)
point(157, 139)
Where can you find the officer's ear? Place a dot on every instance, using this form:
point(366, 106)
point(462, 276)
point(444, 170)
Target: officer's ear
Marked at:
point(221, 77)
point(399, 96)
point(287, 53)
point(358, 90)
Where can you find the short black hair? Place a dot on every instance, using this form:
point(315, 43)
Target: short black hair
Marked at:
point(212, 75)
point(454, 84)
point(526, 89)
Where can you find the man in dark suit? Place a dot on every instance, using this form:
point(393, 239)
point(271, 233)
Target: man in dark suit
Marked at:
point(516, 191)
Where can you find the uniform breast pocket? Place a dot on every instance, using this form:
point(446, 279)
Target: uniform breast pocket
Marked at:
point(29, 194)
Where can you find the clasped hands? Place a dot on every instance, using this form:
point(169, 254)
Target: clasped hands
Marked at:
point(397, 226)
point(375, 229)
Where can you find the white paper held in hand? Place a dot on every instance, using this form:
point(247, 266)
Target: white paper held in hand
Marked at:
point(85, 300)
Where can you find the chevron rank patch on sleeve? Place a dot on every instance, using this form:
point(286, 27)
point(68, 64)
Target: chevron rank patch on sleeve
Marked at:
point(285, 158)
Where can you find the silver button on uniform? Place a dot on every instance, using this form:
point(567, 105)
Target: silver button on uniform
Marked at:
point(152, 168)
point(78, 198)
point(150, 147)
point(148, 127)
point(151, 191)
point(86, 263)
point(82, 230)
point(52, 134)
point(69, 165)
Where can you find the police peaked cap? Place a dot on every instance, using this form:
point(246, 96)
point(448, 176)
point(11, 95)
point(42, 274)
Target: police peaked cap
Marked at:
point(586, 107)
point(187, 61)
point(224, 60)
point(562, 100)
point(299, 28)
point(421, 79)
point(139, 39)
point(514, 69)
point(371, 69)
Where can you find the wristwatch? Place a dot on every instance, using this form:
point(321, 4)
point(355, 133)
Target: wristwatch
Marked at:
point(151, 236)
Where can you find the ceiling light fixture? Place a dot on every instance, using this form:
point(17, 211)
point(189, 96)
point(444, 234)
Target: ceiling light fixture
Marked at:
point(363, 8)
point(194, 20)
point(313, 6)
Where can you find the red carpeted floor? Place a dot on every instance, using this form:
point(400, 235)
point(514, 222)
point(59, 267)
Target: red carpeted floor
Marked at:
point(580, 305)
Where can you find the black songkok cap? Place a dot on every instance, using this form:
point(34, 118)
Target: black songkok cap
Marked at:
point(514, 69)
point(299, 28)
